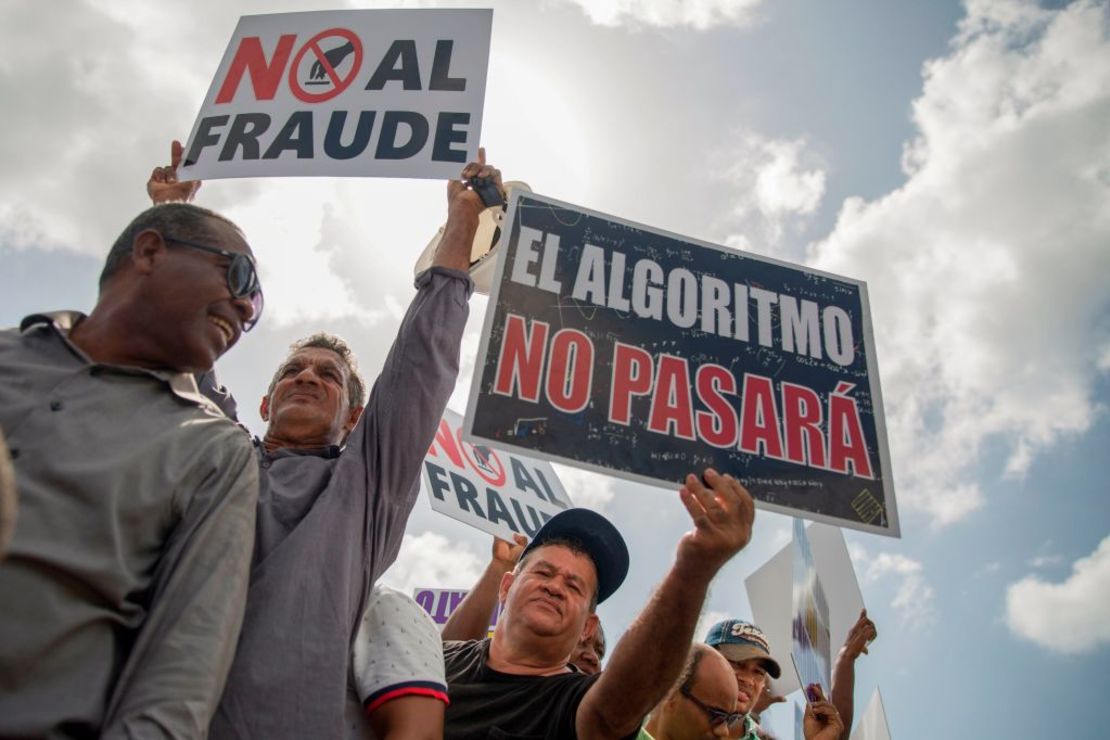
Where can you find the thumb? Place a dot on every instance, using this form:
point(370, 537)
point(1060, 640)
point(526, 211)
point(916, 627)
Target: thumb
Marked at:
point(176, 150)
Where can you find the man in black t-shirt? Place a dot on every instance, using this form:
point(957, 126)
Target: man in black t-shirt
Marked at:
point(518, 684)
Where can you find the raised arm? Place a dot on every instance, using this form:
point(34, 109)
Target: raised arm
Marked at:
point(163, 186)
point(844, 670)
point(177, 668)
point(470, 620)
point(385, 451)
point(648, 659)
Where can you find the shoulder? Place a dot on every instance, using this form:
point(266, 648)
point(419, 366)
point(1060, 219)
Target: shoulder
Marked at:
point(463, 656)
point(397, 650)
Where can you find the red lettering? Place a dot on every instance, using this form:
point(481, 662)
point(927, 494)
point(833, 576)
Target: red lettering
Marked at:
point(759, 420)
point(265, 76)
point(570, 371)
point(447, 443)
point(717, 426)
point(632, 376)
point(801, 419)
point(520, 362)
point(671, 405)
point(846, 443)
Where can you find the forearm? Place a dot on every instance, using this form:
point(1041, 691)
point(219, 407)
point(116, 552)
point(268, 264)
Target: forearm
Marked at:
point(843, 689)
point(409, 718)
point(648, 658)
point(470, 620)
point(458, 237)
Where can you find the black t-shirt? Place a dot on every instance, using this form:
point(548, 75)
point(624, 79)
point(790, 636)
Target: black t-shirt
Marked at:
point(489, 704)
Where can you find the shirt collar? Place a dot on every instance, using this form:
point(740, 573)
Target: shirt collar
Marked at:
point(182, 385)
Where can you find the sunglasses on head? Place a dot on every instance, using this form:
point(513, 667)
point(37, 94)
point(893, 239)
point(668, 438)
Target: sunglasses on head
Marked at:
point(716, 716)
point(242, 277)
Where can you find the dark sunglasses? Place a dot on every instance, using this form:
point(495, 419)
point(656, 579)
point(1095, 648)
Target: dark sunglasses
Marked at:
point(716, 716)
point(242, 278)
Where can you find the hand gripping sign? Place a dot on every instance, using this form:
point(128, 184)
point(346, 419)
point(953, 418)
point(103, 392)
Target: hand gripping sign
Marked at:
point(637, 353)
point(381, 93)
point(498, 492)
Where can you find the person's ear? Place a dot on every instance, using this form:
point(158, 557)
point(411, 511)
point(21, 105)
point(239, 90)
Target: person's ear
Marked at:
point(589, 630)
point(352, 419)
point(503, 589)
point(264, 408)
point(147, 244)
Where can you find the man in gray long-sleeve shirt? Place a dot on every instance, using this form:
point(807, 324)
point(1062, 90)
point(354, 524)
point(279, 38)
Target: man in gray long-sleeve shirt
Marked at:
point(125, 582)
point(337, 487)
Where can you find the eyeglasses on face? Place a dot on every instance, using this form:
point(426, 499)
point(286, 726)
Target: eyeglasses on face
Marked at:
point(242, 277)
point(716, 716)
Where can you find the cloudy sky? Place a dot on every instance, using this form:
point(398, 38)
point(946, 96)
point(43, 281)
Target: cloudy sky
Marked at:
point(954, 155)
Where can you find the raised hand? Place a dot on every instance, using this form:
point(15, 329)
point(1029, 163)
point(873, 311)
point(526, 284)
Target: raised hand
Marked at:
point(723, 513)
point(163, 186)
point(860, 636)
point(505, 554)
point(459, 192)
point(822, 720)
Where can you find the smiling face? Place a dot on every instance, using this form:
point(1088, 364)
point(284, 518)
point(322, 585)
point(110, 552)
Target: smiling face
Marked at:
point(185, 313)
point(551, 594)
point(309, 404)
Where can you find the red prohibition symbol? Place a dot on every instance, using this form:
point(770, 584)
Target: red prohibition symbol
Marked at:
point(323, 69)
point(483, 460)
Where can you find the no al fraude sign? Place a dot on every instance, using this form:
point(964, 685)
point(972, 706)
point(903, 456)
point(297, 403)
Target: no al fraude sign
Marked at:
point(360, 93)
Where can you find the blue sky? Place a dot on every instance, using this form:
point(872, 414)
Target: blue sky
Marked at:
point(956, 156)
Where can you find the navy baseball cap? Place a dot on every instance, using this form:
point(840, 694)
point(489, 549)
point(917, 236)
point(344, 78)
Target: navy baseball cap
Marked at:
point(739, 640)
point(598, 538)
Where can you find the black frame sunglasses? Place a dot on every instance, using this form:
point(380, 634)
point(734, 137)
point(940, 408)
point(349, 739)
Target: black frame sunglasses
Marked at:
point(716, 716)
point(242, 276)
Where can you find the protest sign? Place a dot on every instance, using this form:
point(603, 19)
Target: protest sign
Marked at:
point(441, 603)
point(770, 592)
point(799, 721)
point(498, 492)
point(637, 353)
point(872, 725)
point(358, 93)
point(812, 648)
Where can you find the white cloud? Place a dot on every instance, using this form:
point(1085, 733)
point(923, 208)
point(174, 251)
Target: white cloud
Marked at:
point(988, 270)
point(590, 490)
point(430, 560)
point(707, 619)
point(699, 14)
point(776, 183)
point(1069, 617)
point(914, 599)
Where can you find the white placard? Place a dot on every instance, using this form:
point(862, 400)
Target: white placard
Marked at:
point(770, 593)
point(872, 725)
point(498, 492)
point(350, 93)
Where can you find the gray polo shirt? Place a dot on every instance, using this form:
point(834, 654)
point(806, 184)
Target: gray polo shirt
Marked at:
point(330, 522)
point(124, 588)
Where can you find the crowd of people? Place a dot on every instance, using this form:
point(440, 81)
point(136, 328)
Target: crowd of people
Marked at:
point(170, 576)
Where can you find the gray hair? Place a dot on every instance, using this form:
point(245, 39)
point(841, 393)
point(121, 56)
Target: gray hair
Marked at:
point(356, 386)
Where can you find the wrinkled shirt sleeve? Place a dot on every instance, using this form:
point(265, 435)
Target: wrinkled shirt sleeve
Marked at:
point(403, 413)
point(176, 671)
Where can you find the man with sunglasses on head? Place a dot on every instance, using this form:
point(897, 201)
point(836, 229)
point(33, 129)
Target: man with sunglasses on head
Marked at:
point(338, 482)
point(125, 582)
